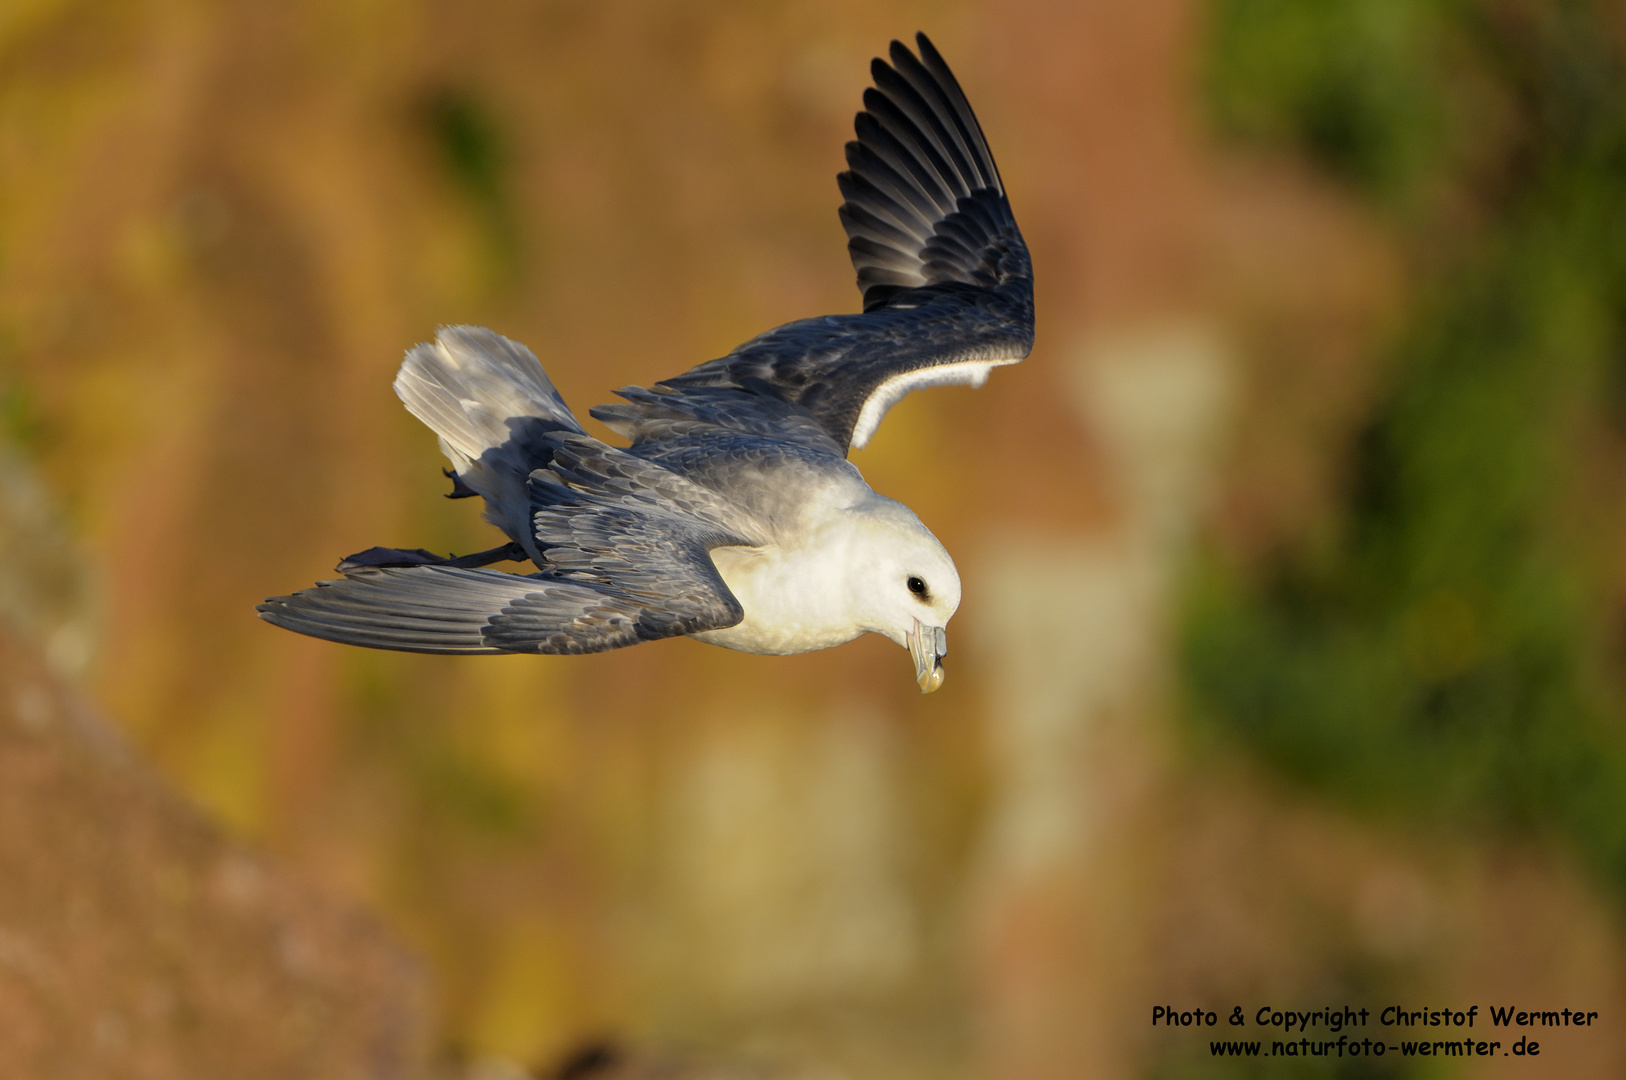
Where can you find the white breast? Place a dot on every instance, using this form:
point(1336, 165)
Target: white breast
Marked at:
point(795, 600)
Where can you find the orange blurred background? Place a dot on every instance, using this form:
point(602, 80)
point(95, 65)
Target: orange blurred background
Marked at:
point(224, 223)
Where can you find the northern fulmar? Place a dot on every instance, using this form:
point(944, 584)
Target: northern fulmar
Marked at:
point(734, 515)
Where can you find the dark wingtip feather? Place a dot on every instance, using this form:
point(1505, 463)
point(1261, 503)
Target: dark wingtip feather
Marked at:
point(928, 52)
point(921, 167)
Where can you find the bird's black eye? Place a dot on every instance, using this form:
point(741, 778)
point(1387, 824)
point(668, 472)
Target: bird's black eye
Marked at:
point(917, 586)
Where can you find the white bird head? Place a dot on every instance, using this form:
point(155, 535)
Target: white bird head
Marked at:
point(903, 585)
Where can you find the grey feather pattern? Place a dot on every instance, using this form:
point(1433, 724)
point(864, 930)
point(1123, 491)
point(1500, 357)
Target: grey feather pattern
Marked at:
point(441, 609)
point(663, 416)
point(723, 455)
point(608, 517)
point(622, 542)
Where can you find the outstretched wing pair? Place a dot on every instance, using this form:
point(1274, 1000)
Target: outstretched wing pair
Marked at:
point(622, 537)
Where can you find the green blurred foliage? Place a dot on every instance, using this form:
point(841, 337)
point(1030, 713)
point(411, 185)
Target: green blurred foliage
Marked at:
point(1359, 84)
point(22, 427)
point(475, 156)
point(1452, 648)
point(20, 423)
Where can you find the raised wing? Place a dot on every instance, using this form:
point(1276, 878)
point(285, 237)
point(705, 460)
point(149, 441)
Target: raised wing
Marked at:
point(947, 283)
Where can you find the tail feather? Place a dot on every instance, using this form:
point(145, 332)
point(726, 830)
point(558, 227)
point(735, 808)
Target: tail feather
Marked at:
point(494, 409)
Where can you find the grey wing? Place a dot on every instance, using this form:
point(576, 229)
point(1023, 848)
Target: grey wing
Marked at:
point(946, 278)
point(682, 427)
point(443, 609)
point(605, 516)
point(626, 545)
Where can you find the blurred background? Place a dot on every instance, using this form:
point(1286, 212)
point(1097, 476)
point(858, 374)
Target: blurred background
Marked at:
point(1291, 668)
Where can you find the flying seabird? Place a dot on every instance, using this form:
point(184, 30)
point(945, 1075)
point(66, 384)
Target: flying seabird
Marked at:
point(734, 515)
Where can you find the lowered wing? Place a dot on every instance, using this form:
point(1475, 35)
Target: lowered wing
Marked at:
point(626, 558)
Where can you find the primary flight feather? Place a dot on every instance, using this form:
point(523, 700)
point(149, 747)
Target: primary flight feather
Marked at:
point(733, 516)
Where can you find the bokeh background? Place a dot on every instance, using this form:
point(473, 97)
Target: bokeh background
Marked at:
point(1292, 663)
